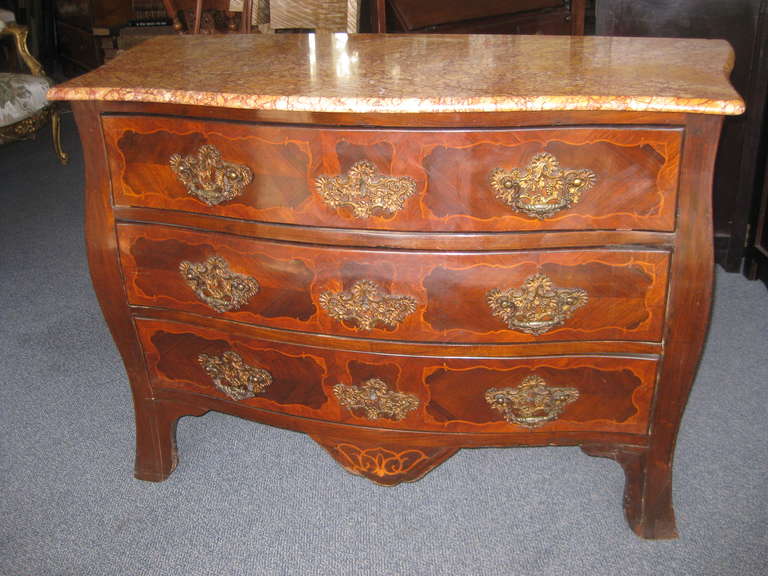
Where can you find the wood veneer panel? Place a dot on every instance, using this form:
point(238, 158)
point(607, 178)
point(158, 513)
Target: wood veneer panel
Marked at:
point(614, 394)
point(636, 170)
point(625, 290)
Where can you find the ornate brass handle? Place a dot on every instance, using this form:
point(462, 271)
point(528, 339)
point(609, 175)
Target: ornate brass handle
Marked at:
point(532, 403)
point(368, 305)
point(208, 178)
point(216, 285)
point(542, 188)
point(233, 376)
point(376, 399)
point(366, 191)
point(537, 306)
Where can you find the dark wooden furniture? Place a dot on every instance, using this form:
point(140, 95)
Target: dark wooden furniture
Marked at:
point(82, 28)
point(478, 17)
point(756, 265)
point(739, 166)
point(756, 252)
point(200, 16)
point(403, 268)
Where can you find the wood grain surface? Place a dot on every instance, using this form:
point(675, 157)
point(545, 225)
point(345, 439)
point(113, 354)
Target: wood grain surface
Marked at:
point(639, 243)
point(626, 288)
point(614, 394)
point(636, 167)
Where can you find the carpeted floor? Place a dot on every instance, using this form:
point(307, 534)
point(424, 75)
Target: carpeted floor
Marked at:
point(248, 499)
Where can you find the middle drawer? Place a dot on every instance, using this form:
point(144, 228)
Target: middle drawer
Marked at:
point(423, 296)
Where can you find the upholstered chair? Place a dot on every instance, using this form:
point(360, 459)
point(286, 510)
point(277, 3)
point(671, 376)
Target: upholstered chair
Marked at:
point(24, 108)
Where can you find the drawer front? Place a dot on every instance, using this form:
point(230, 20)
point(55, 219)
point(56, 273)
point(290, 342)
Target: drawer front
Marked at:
point(399, 295)
point(564, 393)
point(449, 180)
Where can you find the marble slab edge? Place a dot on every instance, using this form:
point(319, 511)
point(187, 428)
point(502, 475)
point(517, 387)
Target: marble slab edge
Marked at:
point(399, 105)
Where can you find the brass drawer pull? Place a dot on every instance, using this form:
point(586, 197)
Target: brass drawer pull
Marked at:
point(532, 403)
point(376, 399)
point(216, 285)
point(366, 191)
point(208, 178)
point(368, 305)
point(542, 188)
point(233, 376)
point(537, 306)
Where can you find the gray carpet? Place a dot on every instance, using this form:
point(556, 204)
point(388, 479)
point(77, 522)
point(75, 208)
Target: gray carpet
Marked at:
point(248, 499)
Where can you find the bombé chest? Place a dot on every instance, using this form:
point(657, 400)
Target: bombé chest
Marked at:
point(401, 259)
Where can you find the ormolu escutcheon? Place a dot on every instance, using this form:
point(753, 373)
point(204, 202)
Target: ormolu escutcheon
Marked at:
point(537, 306)
point(376, 399)
point(208, 178)
point(366, 191)
point(216, 285)
point(233, 376)
point(542, 188)
point(532, 403)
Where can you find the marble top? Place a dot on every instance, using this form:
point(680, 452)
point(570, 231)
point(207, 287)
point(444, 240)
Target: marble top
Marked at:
point(418, 73)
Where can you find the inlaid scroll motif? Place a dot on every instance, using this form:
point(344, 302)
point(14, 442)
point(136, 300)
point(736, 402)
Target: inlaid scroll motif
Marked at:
point(233, 376)
point(368, 305)
point(536, 307)
point(376, 399)
point(208, 178)
point(216, 285)
point(378, 462)
point(532, 403)
point(542, 188)
point(366, 191)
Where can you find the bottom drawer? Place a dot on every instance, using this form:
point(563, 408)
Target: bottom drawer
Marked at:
point(552, 393)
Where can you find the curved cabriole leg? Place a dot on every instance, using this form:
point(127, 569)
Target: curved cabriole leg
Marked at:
point(385, 463)
point(56, 135)
point(156, 454)
point(647, 492)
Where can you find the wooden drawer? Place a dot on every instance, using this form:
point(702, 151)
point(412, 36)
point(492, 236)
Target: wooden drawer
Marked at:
point(399, 295)
point(411, 180)
point(564, 393)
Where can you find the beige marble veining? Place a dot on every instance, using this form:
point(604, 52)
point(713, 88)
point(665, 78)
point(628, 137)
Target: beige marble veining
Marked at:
point(418, 73)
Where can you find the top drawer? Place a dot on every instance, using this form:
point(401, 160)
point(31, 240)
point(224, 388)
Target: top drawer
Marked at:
point(425, 180)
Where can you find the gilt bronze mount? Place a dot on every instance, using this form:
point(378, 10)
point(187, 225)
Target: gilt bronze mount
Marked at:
point(537, 306)
point(376, 399)
point(542, 188)
point(208, 178)
point(233, 376)
point(366, 191)
point(367, 305)
point(216, 285)
point(532, 403)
